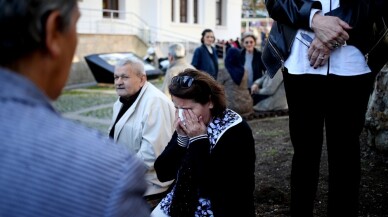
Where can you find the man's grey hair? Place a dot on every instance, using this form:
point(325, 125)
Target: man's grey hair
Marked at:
point(23, 25)
point(177, 50)
point(136, 64)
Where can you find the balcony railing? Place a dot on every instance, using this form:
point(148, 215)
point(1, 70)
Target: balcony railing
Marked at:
point(95, 21)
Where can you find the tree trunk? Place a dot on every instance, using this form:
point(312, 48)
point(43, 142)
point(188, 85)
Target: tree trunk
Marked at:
point(376, 121)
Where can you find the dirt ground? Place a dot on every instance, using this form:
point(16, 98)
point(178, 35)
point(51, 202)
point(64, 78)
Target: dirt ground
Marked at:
point(273, 166)
point(273, 158)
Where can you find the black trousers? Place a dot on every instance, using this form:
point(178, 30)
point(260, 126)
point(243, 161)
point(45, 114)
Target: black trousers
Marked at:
point(338, 105)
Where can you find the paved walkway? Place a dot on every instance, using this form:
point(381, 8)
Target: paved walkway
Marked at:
point(79, 117)
point(91, 106)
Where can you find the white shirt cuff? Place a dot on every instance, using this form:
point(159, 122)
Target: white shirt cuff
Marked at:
point(193, 139)
point(312, 13)
point(183, 141)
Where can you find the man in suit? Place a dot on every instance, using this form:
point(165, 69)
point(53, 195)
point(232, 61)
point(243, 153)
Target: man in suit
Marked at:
point(50, 166)
point(143, 118)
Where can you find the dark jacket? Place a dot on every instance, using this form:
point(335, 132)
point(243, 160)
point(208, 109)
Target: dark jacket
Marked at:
point(257, 65)
point(204, 61)
point(295, 14)
point(226, 175)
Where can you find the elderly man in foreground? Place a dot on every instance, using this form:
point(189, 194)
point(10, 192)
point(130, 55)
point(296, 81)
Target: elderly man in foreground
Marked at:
point(50, 166)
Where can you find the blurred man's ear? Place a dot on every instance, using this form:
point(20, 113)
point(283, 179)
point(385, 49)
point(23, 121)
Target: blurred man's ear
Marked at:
point(53, 34)
point(170, 58)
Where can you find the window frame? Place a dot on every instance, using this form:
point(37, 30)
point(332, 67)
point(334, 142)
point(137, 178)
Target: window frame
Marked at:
point(110, 5)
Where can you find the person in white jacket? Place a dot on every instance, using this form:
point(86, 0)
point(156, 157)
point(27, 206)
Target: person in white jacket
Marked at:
point(142, 119)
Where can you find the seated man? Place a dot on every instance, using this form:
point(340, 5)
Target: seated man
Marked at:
point(270, 93)
point(143, 118)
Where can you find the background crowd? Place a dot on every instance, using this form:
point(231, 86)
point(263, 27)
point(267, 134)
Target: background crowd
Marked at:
point(248, 87)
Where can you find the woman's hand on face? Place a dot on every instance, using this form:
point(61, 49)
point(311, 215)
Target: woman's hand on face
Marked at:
point(179, 124)
point(193, 125)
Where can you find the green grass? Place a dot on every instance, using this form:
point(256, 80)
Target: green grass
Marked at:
point(86, 98)
point(101, 87)
point(104, 113)
point(271, 152)
point(71, 101)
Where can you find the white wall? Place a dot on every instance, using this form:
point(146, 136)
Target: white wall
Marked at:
point(207, 8)
point(93, 4)
point(157, 14)
point(233, 21)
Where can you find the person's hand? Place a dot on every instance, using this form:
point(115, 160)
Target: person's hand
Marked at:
point(179, 124)
point(193, 125)
point(330, 30)
point(318, 53)
point(254, 88)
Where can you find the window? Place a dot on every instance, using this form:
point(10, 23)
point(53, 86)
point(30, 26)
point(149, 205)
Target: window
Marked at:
point(109, 7)
point(219, 12)
point(195, 14)
point(172, 10)
point(183, 11)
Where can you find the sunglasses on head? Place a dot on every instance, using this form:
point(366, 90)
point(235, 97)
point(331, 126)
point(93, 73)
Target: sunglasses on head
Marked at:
point(184, 81)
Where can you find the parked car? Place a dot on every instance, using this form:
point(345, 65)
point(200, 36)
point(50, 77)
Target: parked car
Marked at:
point(102, 66)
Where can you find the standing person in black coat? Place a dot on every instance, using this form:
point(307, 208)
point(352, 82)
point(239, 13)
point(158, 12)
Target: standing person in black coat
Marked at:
point(211, 154)
point(205, 57)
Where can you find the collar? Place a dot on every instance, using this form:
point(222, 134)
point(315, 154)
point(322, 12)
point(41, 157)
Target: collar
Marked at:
point(179, 61)
point(17, 87)
point(131, 99)
point(219, 125)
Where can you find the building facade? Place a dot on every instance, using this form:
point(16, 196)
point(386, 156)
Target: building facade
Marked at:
point(162, 20)
point(134, 25)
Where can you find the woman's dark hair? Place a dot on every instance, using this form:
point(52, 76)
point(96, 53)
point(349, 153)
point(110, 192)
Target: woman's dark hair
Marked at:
point(203, 89)
point(204, 33)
